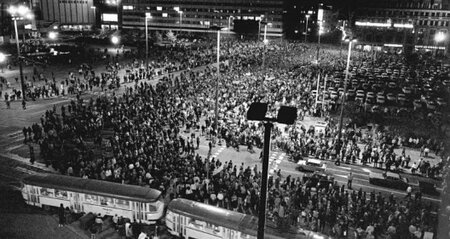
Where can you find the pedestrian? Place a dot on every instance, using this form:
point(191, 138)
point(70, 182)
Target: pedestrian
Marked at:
point(408, 192)
point(349, 180)
point(24, 104)
point(98, 223)
point(61, 215)
point(32, 158)
point(8, 104)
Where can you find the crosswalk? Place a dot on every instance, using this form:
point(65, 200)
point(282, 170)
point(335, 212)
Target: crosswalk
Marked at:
point(274, 161)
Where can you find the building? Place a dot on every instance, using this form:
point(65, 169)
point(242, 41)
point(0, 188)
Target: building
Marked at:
point(307, 20)
point(71, 15)
point(197, 15)
point(412, 24)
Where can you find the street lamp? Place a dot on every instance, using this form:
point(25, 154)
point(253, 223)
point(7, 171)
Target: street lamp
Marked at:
point(216, 106)
point(286, 115)
point(177, 9)
point(341, 115)
point(20, 13)
point(147, 16)
point(439, 37)
point(306, 26)
point(229, 22)
point(2, 59)
point(52, 35)
point(115, 40)
point(94, 8)
point(265, 41)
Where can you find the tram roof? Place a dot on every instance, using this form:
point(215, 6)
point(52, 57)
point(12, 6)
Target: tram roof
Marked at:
point(233, 220)
point(96, 187)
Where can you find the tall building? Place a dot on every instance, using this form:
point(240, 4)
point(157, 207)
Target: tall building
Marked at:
point(199, 15)
point(419, 24)
point(306, 19)
point(71, 15)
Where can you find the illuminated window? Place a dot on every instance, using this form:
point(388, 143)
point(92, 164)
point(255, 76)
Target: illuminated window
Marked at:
point(164, 14)
point(106, 201)
point(47, 192)
point(122, 203)
point(60, 194)
point(128, 7)
point(91, 199)
point(110, 17)
point(159, 8)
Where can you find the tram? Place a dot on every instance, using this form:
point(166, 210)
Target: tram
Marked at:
point(136, 203)
point(189, 219)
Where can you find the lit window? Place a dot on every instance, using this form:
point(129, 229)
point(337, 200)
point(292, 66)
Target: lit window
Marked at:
point(159, 8)
point(110, 17)
point(164, 14)
point(60, 194)
point(106, 201)
point(47, 192)
point(128, 7)
point(91, 199)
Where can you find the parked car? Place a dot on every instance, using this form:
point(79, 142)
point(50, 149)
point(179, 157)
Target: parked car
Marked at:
point(388, 179)
point(431, 105)
point(318, 180)
point(311, 165)
point(417, 103)
point(380, 99)
point(391, 97)
point(441, 102)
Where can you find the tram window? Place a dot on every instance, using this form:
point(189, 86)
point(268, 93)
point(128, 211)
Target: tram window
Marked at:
point(32, 190)
point(244, 236)
point(152, 208)
point(212, 227)
point(91, 199)
point(47, 192)
point(195, 223)
point(122, 203)
point(106, 201)
point(61, 193)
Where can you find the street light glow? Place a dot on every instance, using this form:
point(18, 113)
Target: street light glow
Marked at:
point(52, 35)
point(2, 57)
point(266, 41)
point(148, 15)
point(21, 10)
point(439, 37)
point(115, 40)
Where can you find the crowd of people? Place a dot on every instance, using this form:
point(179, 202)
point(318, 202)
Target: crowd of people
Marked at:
point(152, 132)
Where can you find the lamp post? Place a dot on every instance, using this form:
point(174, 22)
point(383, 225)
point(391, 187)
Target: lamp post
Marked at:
point(439, 37)
point(265, 41)
point(216, 103)
point(306, 26)
point(229, 22)
point(20, 13)
point(94, 9)
point(177, 9)
point(286, 115)
point(2, 59)
point(147, 16)
point(341, 115)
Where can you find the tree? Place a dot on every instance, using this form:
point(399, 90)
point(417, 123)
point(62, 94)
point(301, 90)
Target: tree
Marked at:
point(158, 36)
point(171, 36)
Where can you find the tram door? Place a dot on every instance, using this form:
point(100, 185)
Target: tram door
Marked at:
point(75, 202)
point(33, 198)
point(181, 225)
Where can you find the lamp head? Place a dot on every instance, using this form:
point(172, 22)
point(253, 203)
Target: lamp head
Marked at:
point(2, 57)
point(52, 35)
point(115, 40)
point(439, 37)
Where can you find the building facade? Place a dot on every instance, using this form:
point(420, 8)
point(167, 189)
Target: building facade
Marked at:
point(72, 15)
point(199, 15)
point(413, 24)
